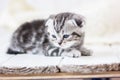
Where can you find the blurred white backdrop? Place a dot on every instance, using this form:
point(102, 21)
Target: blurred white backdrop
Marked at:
point(102, 16)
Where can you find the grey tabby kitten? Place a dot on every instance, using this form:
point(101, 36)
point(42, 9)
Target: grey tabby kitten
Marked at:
point(59, 35)
point(66, 35)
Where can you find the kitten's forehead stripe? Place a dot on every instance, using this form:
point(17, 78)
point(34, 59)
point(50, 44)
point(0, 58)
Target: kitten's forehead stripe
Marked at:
point(60, 21)
point(62, 24)
point(54, 23)
point(59, 24)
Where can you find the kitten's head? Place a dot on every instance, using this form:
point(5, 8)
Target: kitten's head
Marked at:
point(65, 29)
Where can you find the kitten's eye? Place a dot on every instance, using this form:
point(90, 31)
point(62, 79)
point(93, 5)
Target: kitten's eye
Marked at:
point(66, 36)
point(53, 36)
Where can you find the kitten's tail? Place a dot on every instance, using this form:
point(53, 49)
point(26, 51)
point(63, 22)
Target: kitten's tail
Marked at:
point(10, 51)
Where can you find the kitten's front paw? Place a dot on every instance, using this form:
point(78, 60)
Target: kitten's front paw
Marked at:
point(73, 53)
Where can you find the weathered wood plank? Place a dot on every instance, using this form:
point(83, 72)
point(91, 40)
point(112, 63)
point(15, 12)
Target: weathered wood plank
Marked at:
point(63, 75)
point(90, 64)
point(30, 64)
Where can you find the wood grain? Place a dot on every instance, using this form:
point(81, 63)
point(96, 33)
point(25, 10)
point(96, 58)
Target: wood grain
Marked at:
point(62, 75)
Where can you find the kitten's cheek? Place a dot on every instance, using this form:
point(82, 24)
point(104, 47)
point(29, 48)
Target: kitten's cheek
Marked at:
point(52, 40)
point(64, 43)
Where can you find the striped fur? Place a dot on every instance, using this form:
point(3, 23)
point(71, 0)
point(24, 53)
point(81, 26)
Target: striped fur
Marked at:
point(65, 31)
point(28, 38)
point(59, 35)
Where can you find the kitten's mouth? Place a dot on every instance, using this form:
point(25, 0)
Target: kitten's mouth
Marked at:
point(63, 46)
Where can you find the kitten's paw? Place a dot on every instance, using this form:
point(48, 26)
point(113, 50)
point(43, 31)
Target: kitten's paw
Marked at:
point(73, 53)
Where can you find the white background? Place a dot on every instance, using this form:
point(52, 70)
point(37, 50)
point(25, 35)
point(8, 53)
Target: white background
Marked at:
point(102, 16)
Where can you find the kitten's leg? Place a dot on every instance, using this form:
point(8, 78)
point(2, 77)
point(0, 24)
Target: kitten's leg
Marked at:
point(85, 51)
point(15, 50)
point(34, 50)
point(53, 51)
point(72, 53)
point(15, 47)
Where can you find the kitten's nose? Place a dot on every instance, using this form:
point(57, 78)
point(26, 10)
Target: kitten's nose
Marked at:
point(60, 42)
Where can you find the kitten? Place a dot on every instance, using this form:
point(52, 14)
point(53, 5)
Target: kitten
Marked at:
point(28, 38)
point(66, 35)
point(59, 35)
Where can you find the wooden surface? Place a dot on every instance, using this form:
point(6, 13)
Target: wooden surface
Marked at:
point(62, 75)
point(102, 57)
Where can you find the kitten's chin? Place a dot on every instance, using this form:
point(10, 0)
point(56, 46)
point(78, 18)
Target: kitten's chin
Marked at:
point(63, 46)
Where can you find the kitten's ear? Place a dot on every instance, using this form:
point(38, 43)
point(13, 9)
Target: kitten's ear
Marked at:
point(72, 22)
point(80, 20)
point(52, 16)
point(49, 21)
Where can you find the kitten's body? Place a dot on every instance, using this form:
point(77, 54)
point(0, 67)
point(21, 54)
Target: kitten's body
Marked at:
point(28, 38)
point(60, 35)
